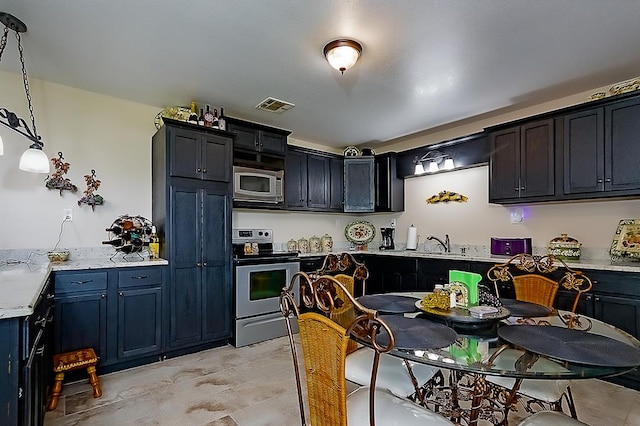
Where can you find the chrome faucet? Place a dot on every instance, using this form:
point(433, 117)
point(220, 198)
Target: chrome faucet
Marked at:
point(446, 244)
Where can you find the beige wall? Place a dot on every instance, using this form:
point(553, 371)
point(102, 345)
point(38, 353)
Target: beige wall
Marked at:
point(113, 137)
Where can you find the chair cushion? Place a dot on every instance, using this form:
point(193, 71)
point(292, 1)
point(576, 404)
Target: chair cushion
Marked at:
point(543, 390)
point(392, 373)
point(390, 410)
point(545, 418)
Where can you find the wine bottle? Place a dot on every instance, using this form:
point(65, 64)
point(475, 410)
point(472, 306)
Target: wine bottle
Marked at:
point(115, 242)
point(215, 124)
point(193, 117)
point(208, 118)
point(154, 244)
point(201, 118)
point(222, 123)
point(117, 230)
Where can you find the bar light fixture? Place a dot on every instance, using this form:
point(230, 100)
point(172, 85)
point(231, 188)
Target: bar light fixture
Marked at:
point(34, 158)
point(437, 161)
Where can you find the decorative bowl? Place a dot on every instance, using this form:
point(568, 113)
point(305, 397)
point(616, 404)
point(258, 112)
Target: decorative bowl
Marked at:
point(58, 255)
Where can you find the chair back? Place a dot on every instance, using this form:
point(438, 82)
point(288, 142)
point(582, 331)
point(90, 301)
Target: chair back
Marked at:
point(532, 278)
point(324, 345)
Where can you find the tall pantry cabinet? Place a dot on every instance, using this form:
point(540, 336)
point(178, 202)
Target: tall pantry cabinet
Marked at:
point(191, 207)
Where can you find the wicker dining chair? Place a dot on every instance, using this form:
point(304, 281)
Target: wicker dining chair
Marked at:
point(324, 349)
point(401, 377)
point(530, 275)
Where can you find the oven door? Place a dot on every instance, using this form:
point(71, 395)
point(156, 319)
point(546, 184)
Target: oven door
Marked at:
point(258, 287)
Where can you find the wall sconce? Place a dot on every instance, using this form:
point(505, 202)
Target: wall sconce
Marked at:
point(435, 158)
point(34, 159)
point(342, 53)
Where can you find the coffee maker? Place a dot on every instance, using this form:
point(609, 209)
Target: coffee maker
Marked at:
point(387, 238)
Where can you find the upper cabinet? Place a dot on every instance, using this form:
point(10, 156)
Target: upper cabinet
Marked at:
point(313, 180)
point(389, 188)
point(257, 145)
point(359, 185)
point(601, 147)
point(522, 164)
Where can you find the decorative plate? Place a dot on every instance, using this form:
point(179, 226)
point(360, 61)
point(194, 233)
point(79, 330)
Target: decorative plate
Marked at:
point(360, 232)
point(626, 241)
point(351, 151)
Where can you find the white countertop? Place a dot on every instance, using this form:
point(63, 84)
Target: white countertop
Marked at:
point(22, 283)
point(597, 264)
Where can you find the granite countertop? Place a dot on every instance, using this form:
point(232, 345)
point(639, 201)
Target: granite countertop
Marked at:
point(21, 283)
point(596, 264)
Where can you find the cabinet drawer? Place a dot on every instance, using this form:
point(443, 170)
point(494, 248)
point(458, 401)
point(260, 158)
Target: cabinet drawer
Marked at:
point(77, 282)
point(139, 277)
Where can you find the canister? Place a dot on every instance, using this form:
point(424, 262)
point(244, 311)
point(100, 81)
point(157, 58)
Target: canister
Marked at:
point(303, 245)
point(564, 247)
point(292, 245)
point(314, 244)
point(327, 243)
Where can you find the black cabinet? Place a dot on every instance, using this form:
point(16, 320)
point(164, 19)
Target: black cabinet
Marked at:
point(193, 218)
point(391, 274)
point(389, 188)
point(601, 146)
point(198, 155)
point(313, 180)
point(522, 164)
point(359, 184)
point(257, 145)
point(116, 311)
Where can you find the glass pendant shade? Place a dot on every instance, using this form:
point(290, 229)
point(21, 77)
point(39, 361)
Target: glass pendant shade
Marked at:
point(448, 164)
point(342, 54)
point(34, 160)
point(433, 167)
point(1, 146)
point(419, 169)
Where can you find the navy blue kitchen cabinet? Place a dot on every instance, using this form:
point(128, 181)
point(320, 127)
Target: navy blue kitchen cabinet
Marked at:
point(359, 185)
point(313, 180)
point(115, 311)
point(389, 187)
point(193, 218)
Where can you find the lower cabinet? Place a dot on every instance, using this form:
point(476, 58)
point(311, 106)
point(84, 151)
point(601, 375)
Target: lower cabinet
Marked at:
point(115, 311)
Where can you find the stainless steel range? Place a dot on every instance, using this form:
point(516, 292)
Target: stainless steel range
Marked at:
point(260, 273)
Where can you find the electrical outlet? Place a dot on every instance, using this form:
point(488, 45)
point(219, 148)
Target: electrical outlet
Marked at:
point(393, 223)
point(68, 215)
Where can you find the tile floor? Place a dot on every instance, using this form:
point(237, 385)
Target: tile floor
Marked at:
point(251, 386)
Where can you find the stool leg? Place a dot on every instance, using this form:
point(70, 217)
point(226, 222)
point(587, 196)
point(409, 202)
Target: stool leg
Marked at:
point(95, 382)
point(55, 392)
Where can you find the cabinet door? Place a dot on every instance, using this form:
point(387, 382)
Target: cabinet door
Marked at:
point(245, 138)
point(185, 153)
point(537, 160)
point(185, 286)
point(217, 158)
point(272, 143)
point(359, 195)
point(622, 145)
point(318, 171)
point(295, 176)
point(139, 322)
point(583, 149)
point(216, 265)
point(504, 165)
point(81, 322)
point(621, 312)
point(336, 184)
point(389, 188)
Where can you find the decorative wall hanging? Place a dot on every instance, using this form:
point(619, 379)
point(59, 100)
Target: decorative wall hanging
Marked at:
point(446, 196)
point(129, 234)
point(56, 180)
point(89, 197)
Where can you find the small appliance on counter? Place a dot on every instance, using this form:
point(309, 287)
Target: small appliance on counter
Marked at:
point(387, 238)
point(510, 246)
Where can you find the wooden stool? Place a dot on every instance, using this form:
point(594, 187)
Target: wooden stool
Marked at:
point(69, 361)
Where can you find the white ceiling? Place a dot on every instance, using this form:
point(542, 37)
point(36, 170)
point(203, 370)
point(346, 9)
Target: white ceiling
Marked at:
point(425, 63)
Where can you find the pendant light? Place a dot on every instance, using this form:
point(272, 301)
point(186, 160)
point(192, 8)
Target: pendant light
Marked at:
point(342, 53)
point(34, 159)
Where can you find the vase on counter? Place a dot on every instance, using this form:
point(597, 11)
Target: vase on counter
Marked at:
point(303, 245)
point(292, 245)
point(314, 245)
point(327, 243)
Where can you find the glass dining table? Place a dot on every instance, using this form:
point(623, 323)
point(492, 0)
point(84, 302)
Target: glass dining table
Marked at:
point(558, 345)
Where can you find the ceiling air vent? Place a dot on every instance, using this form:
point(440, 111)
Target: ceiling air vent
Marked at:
point(274, 105)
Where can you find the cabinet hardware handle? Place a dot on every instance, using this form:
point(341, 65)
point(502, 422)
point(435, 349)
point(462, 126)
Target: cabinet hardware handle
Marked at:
point(104, 296)
point(597, 299)
point(517, 188)
point(82, 282)
point(607, 180)
point(522, 188)
point(204, 264)
point(599, 181)
point(140, 277)
point(120, 293)
point(588, 298)
point(198, 264)
point(198, 170)
point(204, 170)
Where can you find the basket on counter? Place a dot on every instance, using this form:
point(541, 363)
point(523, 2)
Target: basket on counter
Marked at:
point(564, 247)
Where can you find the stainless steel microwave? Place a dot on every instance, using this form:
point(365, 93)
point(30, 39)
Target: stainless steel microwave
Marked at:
point(257, 185)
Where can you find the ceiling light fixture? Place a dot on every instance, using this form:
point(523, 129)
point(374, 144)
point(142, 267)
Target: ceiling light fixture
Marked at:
point(342, 53)
point(435, 158)
point(34, 159)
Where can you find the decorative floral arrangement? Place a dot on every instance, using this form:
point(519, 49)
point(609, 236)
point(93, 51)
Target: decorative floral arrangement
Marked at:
point(446, 196)
point(56, 180)
point(89, 197)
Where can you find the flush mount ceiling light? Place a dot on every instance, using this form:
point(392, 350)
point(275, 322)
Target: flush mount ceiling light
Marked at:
point(434, 158)
point(34, 159)
point(342, 53)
